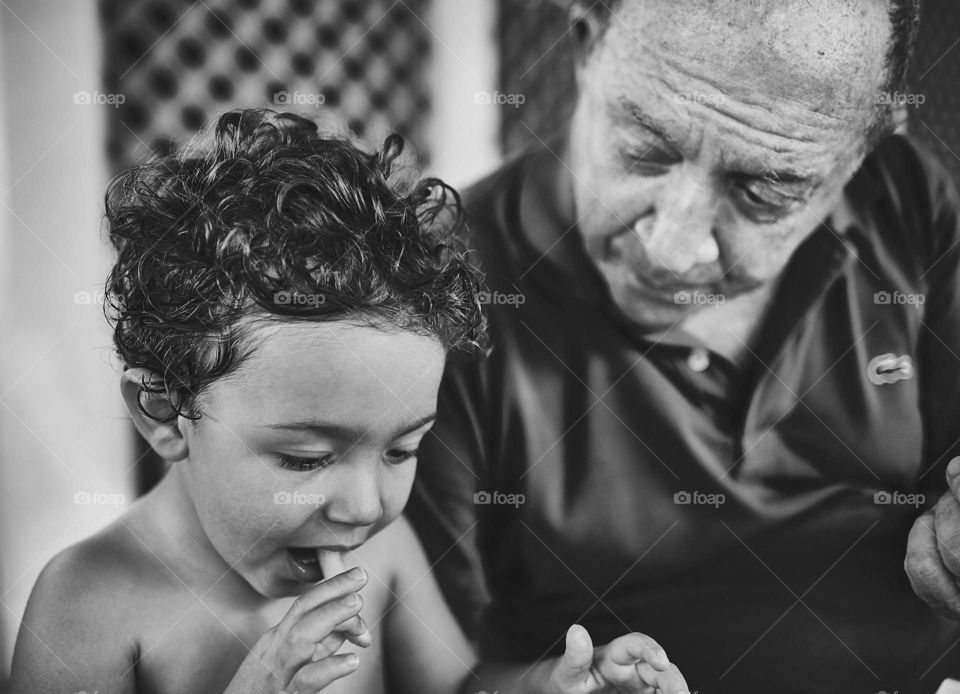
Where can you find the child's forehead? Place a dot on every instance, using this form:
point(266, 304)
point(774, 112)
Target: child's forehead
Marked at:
point(304, 364)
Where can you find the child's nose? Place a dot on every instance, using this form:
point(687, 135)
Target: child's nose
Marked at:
point(355, 500)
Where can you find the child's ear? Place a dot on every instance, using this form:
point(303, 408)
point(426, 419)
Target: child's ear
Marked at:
point(164, 437)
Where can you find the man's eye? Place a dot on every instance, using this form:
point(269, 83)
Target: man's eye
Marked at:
point(398, 457)
point(763, 205)
point(303, 464)
point(649, 162)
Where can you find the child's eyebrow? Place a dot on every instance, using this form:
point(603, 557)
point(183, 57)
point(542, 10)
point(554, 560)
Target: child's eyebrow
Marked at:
point(338, 431)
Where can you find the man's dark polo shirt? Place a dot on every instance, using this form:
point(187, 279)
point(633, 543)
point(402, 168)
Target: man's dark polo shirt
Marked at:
point(795, 583)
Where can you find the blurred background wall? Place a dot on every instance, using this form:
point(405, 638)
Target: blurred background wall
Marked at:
point(91, 87)
point(65, 445)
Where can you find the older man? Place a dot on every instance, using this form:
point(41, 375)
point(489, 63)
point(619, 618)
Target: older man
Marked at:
point(725, 384)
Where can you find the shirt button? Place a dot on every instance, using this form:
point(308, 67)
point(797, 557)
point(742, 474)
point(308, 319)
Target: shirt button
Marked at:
point(698, 360)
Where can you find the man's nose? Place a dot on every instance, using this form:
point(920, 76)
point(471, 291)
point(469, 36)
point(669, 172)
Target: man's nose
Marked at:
point(354, 497)
point(678, 235)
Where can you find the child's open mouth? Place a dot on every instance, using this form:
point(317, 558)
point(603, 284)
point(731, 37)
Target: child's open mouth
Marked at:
point(312, 564)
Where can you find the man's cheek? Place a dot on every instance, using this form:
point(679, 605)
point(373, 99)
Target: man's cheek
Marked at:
point(762, 259)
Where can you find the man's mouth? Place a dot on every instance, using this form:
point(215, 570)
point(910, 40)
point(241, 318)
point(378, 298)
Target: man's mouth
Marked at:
point(626, 252)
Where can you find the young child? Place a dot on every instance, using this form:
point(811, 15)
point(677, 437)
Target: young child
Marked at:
point(283, 309)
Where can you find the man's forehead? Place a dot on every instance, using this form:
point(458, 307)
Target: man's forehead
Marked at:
point(829, 54)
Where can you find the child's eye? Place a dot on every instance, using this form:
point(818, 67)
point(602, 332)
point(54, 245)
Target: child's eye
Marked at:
point(397, 457)
point(293, 462)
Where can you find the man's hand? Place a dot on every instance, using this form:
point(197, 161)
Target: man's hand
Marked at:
point(933, 550)
point(634, 663)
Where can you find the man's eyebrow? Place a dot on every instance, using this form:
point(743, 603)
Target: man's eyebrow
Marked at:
point(644, 120)
point(338, 431)
point(788, 177)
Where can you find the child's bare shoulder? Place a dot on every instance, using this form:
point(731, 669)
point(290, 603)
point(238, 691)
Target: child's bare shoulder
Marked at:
point(80, 624)
point(395, 553)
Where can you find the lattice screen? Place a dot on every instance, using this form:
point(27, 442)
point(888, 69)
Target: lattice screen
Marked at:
point(177, 62)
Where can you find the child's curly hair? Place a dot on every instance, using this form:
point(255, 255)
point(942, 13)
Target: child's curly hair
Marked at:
point(267, 218)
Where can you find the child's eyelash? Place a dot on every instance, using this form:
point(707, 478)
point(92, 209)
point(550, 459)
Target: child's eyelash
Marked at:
point(293, 462)
point(397, 457)
point(302, 464)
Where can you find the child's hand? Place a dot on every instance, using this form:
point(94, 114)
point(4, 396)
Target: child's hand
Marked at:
point(634, 663)
point(299, 653)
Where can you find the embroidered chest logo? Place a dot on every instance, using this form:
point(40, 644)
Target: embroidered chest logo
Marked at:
point(889, 368)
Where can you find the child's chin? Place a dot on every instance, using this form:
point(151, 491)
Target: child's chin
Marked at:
point(276, 586)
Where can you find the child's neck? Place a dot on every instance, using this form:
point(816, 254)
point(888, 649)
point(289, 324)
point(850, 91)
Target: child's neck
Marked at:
point(185, 548)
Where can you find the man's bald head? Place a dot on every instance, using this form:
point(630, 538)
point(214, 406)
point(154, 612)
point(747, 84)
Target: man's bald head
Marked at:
point(833, 40)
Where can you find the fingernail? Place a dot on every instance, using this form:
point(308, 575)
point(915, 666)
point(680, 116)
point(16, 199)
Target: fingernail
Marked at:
point(357, 574)
point(953, 469)
point(352, 660)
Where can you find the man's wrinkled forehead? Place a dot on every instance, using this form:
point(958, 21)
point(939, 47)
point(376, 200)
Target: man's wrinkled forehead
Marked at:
point(827, 54)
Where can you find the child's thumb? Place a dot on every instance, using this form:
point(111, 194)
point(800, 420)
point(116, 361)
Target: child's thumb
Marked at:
point(578, 656)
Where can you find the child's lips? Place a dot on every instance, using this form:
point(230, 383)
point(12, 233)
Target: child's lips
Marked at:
point(313, 564)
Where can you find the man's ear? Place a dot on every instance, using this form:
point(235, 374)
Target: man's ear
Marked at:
point(164, 437)
point(585, 27)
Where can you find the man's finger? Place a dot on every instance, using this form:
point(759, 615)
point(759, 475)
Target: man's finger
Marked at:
point(636, 647)
point(670, 681)
point(930, 579)
point(578, 656)
point(946, 528)
point(953, 476)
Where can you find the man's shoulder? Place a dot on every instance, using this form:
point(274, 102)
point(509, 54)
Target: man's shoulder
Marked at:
point(912, 176)
point(497, 185)
point(909, 198)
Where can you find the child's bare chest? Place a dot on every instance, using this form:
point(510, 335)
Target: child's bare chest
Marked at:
point(190, 646)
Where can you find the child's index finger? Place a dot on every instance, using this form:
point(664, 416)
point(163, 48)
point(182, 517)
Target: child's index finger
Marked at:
point(338, 586)
point(331, 562)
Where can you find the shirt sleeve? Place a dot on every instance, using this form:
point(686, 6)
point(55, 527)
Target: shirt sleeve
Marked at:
point(939, 345)
point(441, 509)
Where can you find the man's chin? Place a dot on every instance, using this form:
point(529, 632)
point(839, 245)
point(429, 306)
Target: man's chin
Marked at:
point(651, 311)
point(651, 315)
